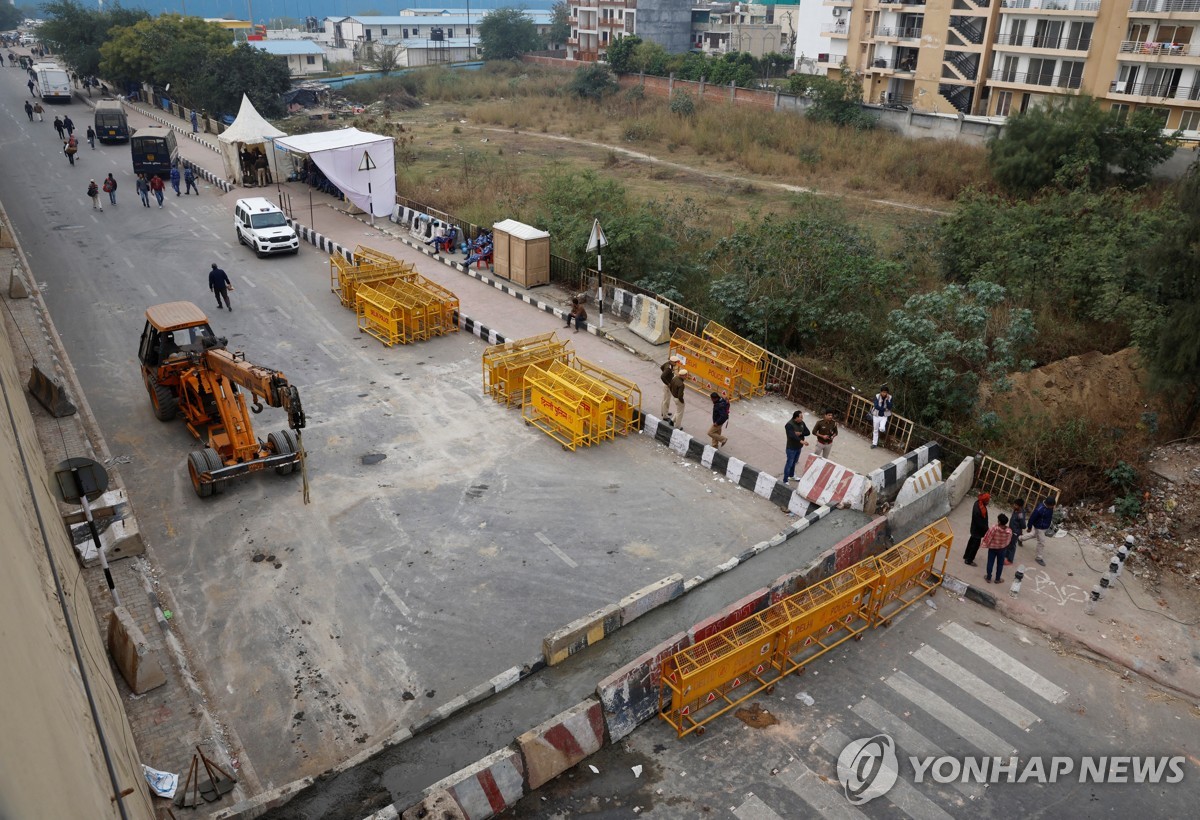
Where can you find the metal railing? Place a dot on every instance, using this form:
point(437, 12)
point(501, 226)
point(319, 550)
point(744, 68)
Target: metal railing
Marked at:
point(1160, 90)
point(1055, 5)
point(1164, 6)
point(1151, 48)
point(901, 32)
point(1041, 78)
point(1039, 41)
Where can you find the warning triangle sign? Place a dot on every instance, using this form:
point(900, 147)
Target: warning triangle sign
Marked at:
point(366, 163)
point(711, 697)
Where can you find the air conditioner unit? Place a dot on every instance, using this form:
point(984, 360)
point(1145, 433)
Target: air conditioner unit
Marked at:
point(837, 12)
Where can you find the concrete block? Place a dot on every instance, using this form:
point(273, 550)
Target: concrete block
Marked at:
point(437, 806)
point(629, 695)
point(561, 742)
point(647, 598)
point(651, 320)
point(580, 634)
point(734, 613)
point(113, 502)
point(919, 483)
point(904, 521)
point(826, 482)
point(483, 789)
point(122, 539)
point(960, 481)
point(16, 285)
point(138, 663)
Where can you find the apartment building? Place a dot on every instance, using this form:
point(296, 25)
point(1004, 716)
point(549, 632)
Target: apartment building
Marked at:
point(998, 57)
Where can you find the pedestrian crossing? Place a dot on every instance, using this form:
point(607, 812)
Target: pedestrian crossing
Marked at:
point(986, 703)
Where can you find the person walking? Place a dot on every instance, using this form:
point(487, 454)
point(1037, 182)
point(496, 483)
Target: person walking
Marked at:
point(826, 431)
point(218, 283)
point(881, 411)
point(143, 189)
point(91, 137)
point(175, 179)
point(30, 84)
point(29, 110)
point(996, 542)
point(1016, 522)
point(93, 193)
point(189, 180)
point(110, 187)
point(60, 128)
point(37, 109)
point(157, 186)
point(1039, 523)
point(577, 314)
point(678, 386)
point(71, 148)
point(979, 528)
point(797, 433)
point(195, 123)
point(720, 417)
point(668, 373)
point(68, 124)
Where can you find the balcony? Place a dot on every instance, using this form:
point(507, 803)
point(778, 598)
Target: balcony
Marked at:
point(1157, 91)
point(611, 22)
point(1148, 48)
point(1039, 79)
point(573, 41)
point(898, 33)
point(1165, 6)
point(1035, 41)
point(898, 65)
point(837, 27)
point(1086, 6)
point(907, 4)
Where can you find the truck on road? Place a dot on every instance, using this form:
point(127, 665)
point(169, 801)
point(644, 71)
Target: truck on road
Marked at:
point(53, 82)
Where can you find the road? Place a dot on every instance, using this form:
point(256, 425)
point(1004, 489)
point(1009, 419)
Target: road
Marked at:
point(408, 580)
point(956, 681)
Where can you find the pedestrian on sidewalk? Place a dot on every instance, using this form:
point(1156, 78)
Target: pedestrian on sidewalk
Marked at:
point(1039, 522)
point(668, 374)
point(1017, 523)
point(577, 314)
point(195, 123)
point(881, 411)
point(720, 417)
point(60, 128)
point(996, 543)
point(826, 431)
point(797, 433)
point(979, 528)
point(157, 186)
point(143, 189)
point(93, 192)
point(218, 283)
point(29, 110)
point(37, 109)
point(189, 181)
point(678, 386)
point(110, 187)
point(175, 179)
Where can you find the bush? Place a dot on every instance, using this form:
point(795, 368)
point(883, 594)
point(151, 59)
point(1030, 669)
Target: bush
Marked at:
point(1128, 507)
point(682, 104)
point(1123, 477)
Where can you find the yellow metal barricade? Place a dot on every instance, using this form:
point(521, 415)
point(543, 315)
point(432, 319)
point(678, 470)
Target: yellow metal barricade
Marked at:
point(600, 403)
point(627, 394)
point(753, 370)
point(556, 408)
point(504, 365)
point(378, 315)
point(710, 366)
point(910, 570)
point(824, 616)
point(422, 309)
point(446, 318)
point(369, 267)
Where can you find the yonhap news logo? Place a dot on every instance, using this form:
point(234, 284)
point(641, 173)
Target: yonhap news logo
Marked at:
point(868, 768)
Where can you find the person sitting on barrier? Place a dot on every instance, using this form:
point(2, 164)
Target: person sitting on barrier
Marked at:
point(438, 236)
point(996, 543)
point(578, 314)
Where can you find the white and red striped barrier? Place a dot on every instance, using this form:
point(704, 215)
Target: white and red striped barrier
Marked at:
point(822, 481)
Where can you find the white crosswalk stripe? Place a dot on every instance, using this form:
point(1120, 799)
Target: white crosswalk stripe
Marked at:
point(1004, 662)
point(958, 721)
point(826, 799)
point(902, 795)
point(971, 683)
point(753, 808)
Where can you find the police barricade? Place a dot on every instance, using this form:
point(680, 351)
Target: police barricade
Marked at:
point(710, 366)
point(910, 570)
point(626, 393)
point(446, 318)
point(367, 269)
point(394, 313)
point(559, 408)
point(600, 402)
point(504, 365)
point(753, 372)
point(703, 681)
point(426, 313)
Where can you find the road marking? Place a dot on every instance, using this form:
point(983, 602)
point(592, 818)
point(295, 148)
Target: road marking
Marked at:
point(248, 281)
point(283, 313)
point(908, 738)
point(902, 795)
point(975, 686)
point(129, 262)
point(753, 808)
point(328, 352)
point(550, 545)
point(820, 794)
point(153, 293)
point(391, 593)
point(1004, 662)
point(965, 727)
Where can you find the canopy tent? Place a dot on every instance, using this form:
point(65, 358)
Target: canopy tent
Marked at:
point(249, 128)
point(362, 165)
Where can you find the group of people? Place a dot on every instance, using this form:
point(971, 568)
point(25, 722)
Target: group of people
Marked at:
point(1001, 539)
point(444, 239)
point(479, 249)
point(256, 170)
point(109, 186)
point(189, 181)
point(797, 432)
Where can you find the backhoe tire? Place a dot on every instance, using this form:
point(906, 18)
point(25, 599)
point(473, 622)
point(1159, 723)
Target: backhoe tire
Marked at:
point(213, 458)
point(197, 465)
point(164, 402)
point(281, 443)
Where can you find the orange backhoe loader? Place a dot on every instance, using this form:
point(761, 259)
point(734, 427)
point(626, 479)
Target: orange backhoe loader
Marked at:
point(187, 370)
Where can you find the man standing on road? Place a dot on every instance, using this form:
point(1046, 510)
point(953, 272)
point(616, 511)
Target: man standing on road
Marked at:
point(93, 192)
point(678, 386)
point(175, 179)
point(69, 125)
point(30, 84)
point(720, 417)
point(143, 189)
point(29, 110)
point(979, 528)
point(668, 373)
point(826, 431)
point(1017, 523)
point(156, 185)
point(1039, 522)
point(189, 181)
point(60, 128)
point(881, 411)
point(996, 543)
point(797, 432)
point(110, 188)
point(218, 283)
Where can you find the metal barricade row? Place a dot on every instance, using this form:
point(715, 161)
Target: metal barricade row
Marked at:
point(710, 366)
point(600, 401)
point(559, 409)
point(504, 365)
point(753, 359)
point(626, 393)
point(909, 571)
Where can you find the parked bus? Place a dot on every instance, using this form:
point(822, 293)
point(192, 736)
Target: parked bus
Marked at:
point(53, 83)
point(111, 124)
point(154, 150)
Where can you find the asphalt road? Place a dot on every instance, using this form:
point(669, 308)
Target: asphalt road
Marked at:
point(957, 681)
point(406, 581)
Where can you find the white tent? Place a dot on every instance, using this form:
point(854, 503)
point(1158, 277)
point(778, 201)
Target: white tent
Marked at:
point(362, 165)
point(248, 129)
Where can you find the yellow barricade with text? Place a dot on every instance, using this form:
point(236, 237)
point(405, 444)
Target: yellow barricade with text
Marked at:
point(504, 365)
point(600, 400)
point(710, 366)
point(561, 409)
point(393, 314)
point(626, 394)
point(368, 268)
point(753, 359)
point(911, 570)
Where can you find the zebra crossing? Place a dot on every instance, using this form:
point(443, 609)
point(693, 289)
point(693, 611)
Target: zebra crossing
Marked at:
point(986, 702)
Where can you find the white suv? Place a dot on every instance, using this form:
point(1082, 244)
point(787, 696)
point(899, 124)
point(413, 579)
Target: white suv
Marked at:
point(261, 225)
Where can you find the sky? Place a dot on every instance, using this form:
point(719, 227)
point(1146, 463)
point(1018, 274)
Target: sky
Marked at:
point(266, 10)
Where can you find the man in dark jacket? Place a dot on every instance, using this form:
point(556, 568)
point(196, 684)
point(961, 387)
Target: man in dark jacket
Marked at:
point(979, 528)
point(1017, 523)
point(668, 373)
point(797, 432)
point(1039, 522)
point(720, 416)
point(218, 283)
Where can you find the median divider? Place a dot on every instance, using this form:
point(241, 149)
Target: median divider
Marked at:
point(481, 790)
point(581, 633)
point(558, 744)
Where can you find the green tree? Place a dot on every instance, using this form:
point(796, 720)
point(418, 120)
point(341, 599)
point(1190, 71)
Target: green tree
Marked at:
point(560, 24)
point(10, 17)
point(940, 345)
point(650, 58)
point(837, 101)
point(735, 67)
point(507, 33)
point(230, 71)
point(774, 64)
point(76, 32)
point(593, 81)
point(620, 54)
point(683, 104)
point(165, 49)
point(1076, 144)
point(383, 58)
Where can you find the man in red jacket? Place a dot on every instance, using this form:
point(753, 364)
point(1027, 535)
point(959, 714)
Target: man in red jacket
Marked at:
point(156, 185)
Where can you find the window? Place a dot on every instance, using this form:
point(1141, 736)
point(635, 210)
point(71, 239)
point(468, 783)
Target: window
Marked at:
point(406, 34)
point(1190, 121)
point(1041, 72)
point(311, 60)
point(1071, 74)
point(1159, 114)
point(1048, 34)
point(1003, 103)
point(1009, 72)
point(1079, 38)
point(449, 33)
point(1016, 34)
point(383, 32)
point(1162, 82)
point(1121, 110)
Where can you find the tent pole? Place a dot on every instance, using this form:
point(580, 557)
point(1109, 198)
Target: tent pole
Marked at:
point(275, 156)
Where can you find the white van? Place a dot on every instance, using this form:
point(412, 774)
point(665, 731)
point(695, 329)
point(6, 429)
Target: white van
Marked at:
point(261, 225)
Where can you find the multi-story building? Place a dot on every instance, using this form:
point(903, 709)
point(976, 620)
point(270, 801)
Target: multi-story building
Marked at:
point(998, 57)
